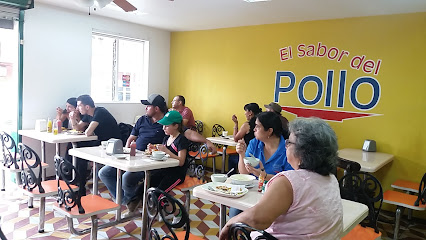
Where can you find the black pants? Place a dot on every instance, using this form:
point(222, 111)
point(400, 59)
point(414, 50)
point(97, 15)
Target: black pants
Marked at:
point(81, 166)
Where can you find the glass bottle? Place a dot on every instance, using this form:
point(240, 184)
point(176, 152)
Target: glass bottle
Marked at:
point(49, 125)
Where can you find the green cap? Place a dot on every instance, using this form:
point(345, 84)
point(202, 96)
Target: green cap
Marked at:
point(171, 117)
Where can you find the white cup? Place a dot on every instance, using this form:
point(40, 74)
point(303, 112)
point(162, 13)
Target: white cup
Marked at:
point(224, 133)
point(158, 154)
point(104, 144)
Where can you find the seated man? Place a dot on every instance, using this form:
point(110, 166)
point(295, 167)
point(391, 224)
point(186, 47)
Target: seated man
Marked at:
point(276, 108)
point(99, 122)
point(147, 130)
point(178, 104)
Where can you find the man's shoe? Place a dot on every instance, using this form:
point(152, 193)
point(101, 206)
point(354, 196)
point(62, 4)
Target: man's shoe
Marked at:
point(133, 205)
point(176, 219)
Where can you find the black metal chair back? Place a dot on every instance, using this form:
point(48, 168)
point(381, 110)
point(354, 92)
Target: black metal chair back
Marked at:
point(9, 150)
point(217, 130)
point(201, 152)
point(30, 163)
point(348, 166)
point(364, 188)
point(160, 202)
point(422, 192)
point(199, 127)
point(68, 197)
point(241, 231)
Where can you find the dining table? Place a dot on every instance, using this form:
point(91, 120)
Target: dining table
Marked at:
point(225, 141)
point(63, 137)
point(353, 212)
point(370, 161)
point(123, 162)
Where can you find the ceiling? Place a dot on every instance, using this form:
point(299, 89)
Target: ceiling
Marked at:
point(189, 15)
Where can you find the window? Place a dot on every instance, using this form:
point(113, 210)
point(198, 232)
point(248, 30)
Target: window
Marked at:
point(119, 68)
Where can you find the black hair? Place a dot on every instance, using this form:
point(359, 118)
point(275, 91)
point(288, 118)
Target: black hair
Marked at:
point(182, 99)
point(86, 100)
point(253, 107)
point(72, 101)
point(271, 120)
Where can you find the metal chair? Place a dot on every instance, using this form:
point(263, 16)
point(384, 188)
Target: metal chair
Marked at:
point(364, 188)
point(242, 231)
point(71, 204)
point(32, 185)
point(160, 202)
point(9, 159)
point(199, 127)
point(217, 130)
point(406, 200)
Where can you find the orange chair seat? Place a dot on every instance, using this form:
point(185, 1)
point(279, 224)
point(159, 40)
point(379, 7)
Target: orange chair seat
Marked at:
point(194, 154)
point(231, 151)
point(181, 235)
point(92, 204)
point(360, 232)
point(406, 185)
point(402, 199)
point(189, 183)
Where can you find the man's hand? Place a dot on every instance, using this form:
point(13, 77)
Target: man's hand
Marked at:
point(59, 110)
point(211, 147)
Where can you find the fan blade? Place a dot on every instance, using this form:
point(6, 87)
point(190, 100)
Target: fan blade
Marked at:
point(125, 5)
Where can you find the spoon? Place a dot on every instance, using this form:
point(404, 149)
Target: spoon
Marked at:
point(251, 155)
point(227, 174)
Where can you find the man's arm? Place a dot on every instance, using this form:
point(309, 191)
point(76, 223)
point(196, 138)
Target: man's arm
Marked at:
point(130, 140)
point(185, 122)
point(91, 129)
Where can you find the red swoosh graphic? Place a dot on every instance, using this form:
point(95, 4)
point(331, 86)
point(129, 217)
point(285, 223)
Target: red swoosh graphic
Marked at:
point(330, 115)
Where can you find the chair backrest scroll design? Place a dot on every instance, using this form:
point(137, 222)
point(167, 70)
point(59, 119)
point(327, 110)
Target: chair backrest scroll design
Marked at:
point(242, 231)
point(199, 126)
point(422, 192)
point(160, 202)
point(30, 162)
point(364, 188)
point(68, 197)
point(9, 150)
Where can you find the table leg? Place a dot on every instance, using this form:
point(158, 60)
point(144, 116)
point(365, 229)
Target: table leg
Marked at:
point(144, 231)
point(95, 178)
point(43, 158)
point(222, 215)
point(58, 149)
point(118, 194)
point(224, 158)
point(74, 159)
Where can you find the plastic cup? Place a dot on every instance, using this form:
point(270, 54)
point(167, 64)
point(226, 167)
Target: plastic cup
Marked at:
point(224, 133)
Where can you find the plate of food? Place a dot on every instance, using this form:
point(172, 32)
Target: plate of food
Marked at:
point(226, 190)
point(75, 132)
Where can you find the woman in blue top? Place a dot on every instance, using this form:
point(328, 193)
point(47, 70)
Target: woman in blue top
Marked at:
point(268, 146)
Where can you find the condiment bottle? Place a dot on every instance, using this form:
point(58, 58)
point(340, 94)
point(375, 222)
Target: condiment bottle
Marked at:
point(261, 180)
point(133, 148)
point(49, 125)
point(55, 128)
point(59, 122)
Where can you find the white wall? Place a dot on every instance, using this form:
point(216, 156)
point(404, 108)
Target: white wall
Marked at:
point(57, 58)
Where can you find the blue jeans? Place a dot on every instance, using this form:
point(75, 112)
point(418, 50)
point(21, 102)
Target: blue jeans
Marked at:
point(233, 163)
point(234, 212)
point(130, 183)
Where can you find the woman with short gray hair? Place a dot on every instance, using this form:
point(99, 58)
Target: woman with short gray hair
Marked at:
point(303, 203)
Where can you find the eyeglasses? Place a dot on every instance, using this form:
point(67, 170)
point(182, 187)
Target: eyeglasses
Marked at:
point(287, 143)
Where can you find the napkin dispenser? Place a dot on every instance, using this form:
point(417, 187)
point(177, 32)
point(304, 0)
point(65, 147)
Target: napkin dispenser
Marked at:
point(41, 125)
point(369, 146)
point(114, 146)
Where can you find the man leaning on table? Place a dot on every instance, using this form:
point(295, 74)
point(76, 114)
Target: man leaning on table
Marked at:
point(99, 122)
point(147, 130)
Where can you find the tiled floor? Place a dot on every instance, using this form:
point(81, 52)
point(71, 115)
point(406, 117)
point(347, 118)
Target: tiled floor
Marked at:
point(20, 222)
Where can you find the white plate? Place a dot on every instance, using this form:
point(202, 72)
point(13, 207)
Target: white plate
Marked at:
point(120, 156)
point(162, 159)
point(211, 187)
point(126, 150)
point(74, 133)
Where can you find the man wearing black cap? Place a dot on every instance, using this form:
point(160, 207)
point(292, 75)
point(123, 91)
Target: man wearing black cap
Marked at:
point(276, 108)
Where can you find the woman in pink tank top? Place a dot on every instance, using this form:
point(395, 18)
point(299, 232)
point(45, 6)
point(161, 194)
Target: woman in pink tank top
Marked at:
point(303, 203)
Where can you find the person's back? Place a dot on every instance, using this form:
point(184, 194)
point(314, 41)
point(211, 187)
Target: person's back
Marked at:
point(316, 211)
point(108, 127)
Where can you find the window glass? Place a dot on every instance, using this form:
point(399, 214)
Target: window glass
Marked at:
point(118, 69)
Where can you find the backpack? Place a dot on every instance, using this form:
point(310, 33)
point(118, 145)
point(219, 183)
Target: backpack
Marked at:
point(125, 130)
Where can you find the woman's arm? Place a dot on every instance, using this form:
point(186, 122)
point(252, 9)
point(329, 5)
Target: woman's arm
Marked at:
point(245, 128)
point(275, 202)
point(241, 149)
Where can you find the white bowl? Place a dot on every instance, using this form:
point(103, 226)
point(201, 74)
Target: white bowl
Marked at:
point(242, 179)
point(158, 154)
point(218, 177)
point(252, 161)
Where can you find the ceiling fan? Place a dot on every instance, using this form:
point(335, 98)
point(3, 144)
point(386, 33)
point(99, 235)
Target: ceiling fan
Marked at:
point(123, 4)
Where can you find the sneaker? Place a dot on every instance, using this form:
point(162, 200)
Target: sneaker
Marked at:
point(168, 217)
point(133, 205)
point(176, 219)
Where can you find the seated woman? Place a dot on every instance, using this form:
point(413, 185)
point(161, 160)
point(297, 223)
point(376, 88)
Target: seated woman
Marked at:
point(246, 130)
point(304, 203)
point(268, 146)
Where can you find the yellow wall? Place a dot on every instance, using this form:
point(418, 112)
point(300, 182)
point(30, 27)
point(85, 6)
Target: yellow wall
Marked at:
point(218, 71)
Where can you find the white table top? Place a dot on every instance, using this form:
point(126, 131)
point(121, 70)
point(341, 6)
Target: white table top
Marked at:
point(59, 138)
point(229, 140)
point(353, 212)
point(369, 161)
point(138, 163)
